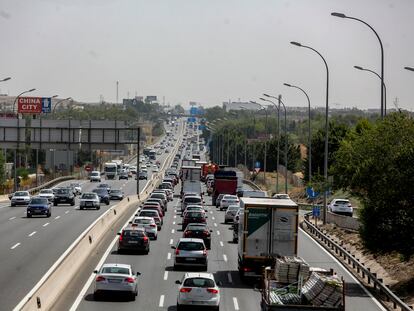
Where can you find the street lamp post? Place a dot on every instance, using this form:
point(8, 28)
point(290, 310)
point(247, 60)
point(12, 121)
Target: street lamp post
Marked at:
point(18, 139)
point(309, 129)
point(60, 101)
point(325, 164)
point(286, 137)
point(383, 85)
point(341, 15)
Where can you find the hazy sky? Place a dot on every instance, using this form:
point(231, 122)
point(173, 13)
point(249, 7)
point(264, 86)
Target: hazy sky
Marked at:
point(207, 51)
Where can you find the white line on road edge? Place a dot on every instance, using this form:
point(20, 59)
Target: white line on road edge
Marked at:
point(346, 270)
point(168, 256)
point(165, 275)
point(11, 218)
point(229, 277)
point(32, 234)
point(173, 222)
point(225, 257)
point(161, 304)
point(57, 217)
point(15, 245)
point(172, 231)
point(175, 216)
point(46, 224)
point(221, 243)
point(236, 303)
point(218, 232)
point(171, 241)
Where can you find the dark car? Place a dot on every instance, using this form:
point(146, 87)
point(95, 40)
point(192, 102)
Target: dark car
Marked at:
point(123, 175)
point(102, 194)
point(134, 239)
point(159, 201)
point(105, 186)
point(142, 175)
point(64, 195)
point(116, 194)
point(193, 217)
point(39, 206)
point(199, 231)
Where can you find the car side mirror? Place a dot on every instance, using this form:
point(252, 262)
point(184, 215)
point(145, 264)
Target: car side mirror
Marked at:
point(95, 271)
point(211, 230)
point(173, 247)
point(206, 216)
point(219, 283)
point(130, 222)
point(138, 273)
point(178, 282)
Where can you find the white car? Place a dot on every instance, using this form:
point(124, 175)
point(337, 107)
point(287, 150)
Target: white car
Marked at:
point(231, 212)
point(227, 200)
point(47, 193)
point(95, 176)
point(76, 187)
point(89, 200)
point(148, 224)
point(155, 169)
point(198, 289)
point(20, 198)
point(113, 277)
point(341, 206)
point(133, 169)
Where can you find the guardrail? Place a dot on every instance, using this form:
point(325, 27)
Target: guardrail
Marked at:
point(356, 265)
point(251, 184)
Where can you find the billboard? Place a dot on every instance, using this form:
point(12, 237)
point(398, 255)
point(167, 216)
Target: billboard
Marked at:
point(151, 99)
point(34, 105)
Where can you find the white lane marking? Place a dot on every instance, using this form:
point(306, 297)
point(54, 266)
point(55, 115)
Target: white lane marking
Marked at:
point(213, 218)
point(215, 225)
point(57, 217)
point(171, 241)
point(46, 224)
point(66, 212)
point(172, 231)
point(173, 222)
point(11, 218)
point(168, 256)
point(211, 212)
point(345, 270)
point(236, 303)
point(221, 243)
point(32, 234)
point(161, 303)
point(175, 216)
point(15, 245)
point(229, 277)
point(225, 257)
point(218, 232)
point(165, 275)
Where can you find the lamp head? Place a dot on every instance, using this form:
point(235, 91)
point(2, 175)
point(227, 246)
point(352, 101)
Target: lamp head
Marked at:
point(358, 67)
point(336, 14)
point(6, 79)
point(287, 84)
point(31, 90)
point(295, 43)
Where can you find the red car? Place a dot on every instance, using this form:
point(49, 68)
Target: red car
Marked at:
point(193, 217)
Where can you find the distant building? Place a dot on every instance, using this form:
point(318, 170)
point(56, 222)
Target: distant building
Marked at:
point(239, 106)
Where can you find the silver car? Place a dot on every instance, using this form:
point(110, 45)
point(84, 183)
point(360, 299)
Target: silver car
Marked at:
point(89, 200)
point(228, 200)
point(47, 193)
point(20, 198)
point(113, 277)
point(231, 212)
point(190, 252)
point(148, 224)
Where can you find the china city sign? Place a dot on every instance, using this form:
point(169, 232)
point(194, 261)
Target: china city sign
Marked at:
point(34, 105)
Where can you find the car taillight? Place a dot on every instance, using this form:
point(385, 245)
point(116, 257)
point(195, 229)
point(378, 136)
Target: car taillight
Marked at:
point(120, 237)
point(247, 269)
point(177, 251)
point(185, 290)
point(206, 233)
point(212, 290)
point(187, 233)
point(100, 278)
point(129, 280)
point(153, 225)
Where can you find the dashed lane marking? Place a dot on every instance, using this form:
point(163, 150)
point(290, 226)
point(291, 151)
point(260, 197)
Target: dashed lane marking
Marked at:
point(57, 217)
point(11, 218)
point(221, 243)
point(171, 241)
point(165, 275)
point(161, 303)
point(15, 245)
point(236, 303)
point(218, 232)
point(172, 231)
point(230, 279)
point(225, 257)
point(46, 224)
point(168, 256)
point(32, 234)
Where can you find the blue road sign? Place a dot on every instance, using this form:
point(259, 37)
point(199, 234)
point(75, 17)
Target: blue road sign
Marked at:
point(257, 165)
point(316, 211)
point(194, 111)
point(312, 194)
point(46, 105)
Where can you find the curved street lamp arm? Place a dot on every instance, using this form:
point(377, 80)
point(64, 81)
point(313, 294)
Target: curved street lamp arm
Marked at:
point(54, 108)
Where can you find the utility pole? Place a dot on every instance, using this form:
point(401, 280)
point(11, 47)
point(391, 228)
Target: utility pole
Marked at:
point(117, 86)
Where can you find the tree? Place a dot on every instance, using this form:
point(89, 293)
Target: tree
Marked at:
point(178, 109)
point(2, 170)
point(376, 163)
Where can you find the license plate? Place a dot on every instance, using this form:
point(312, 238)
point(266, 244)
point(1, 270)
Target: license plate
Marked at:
point(114, 281)
point(190, 259)
point(133, 242)
point(88, 203)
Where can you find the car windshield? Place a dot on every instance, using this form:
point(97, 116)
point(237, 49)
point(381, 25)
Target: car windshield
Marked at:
point(190, 246)
point(62, 191)
point(21, 194)
point(103, 186)
point(95, 174)
point(88, 196)
point(115, 191)
point(38, 201)
point(115, 270)
point(199, 282)
point(100, 191)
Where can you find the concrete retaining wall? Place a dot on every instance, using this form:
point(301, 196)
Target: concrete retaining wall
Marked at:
point(345, 222)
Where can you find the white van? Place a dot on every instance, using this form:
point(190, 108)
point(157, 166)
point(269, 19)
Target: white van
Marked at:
point(95, 176)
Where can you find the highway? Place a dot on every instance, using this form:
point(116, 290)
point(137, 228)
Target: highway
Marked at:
point(30, 246)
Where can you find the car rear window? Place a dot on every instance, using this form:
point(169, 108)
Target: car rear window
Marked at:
point(194, 214)
point(149, 213)
point(196, 228)
point(117, 270)
point(38, 201)
point(341, 202)
point(192, 200)
point(143, 221)
point(133, 233)
point(190, 246)
point(199, 282)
